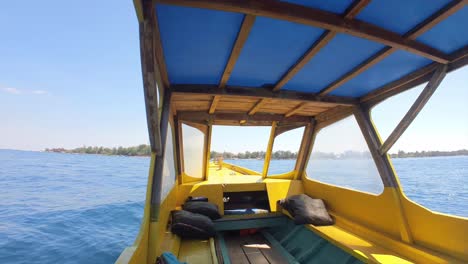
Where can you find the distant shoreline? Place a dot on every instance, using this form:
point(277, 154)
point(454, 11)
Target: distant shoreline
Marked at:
point(145, 151)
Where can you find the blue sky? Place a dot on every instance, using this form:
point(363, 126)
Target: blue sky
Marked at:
point(70, 76)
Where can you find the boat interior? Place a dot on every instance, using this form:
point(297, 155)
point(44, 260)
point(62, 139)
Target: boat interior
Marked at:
point(286, 65)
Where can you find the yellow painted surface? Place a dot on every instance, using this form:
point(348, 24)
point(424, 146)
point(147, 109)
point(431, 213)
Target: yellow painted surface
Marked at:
point(374, 219)
point(159, 238)
point(139, 251)
point(367, 226)
point(280, 189)
point(196, 251)
point(438, 231)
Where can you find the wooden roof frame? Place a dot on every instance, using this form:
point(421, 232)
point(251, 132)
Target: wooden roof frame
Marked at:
point(424, 26)
point(155, 74)
point(317, 18)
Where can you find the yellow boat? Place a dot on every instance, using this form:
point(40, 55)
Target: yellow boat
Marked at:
point(285, 65)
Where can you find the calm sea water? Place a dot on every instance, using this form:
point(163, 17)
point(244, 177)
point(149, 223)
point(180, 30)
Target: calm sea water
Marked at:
point(62, 208)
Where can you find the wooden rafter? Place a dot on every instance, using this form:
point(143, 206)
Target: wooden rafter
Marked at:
point(417, 77)
point(214, 103)
point(323, 40)
point(257, 106)
point(317, 18)
point(242, 36)
point(440, 15)
point(260, 93)
point(417, 106)
point(295, 109)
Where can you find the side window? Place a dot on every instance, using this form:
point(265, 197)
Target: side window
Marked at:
point(431, 156)
point(340, 156)
point(285, 148)
point(168, 174)
point(193, 146)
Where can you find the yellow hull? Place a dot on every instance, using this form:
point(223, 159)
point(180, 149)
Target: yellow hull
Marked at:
point(387, 228)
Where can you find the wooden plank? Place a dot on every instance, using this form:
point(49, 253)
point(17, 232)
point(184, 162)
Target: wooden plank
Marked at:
point(323, 40)
point(236, 254)
point(178, 148)
point(305, 149)
point(317, 18)
point(333, 115)
point(271, 255)
point(417, 106)
point(207, 148)
point(400, 82)
point(384, 167)
point(244, 31)
point(261, 93)
point(417, 77)
point(242, 36)
point(214, 103)
point(373, 142)
point(201, 116)
point(295, 110)
point(427, 24)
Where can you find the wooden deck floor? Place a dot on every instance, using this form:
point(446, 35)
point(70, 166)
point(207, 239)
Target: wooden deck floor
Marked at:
point(251, 249)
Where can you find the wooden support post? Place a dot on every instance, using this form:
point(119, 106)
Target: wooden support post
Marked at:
point(417, 106)
point(268, 153)
point(385, 169)
point(159, 163)
point(207, 151)
point(307, 143)
point(178, 148)
point(147, 51)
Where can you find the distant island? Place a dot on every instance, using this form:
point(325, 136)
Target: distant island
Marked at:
point(145, 150)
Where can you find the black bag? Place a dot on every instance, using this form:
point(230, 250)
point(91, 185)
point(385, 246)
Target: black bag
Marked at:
point(204, 208)
point(307, 210)
point(189, 225)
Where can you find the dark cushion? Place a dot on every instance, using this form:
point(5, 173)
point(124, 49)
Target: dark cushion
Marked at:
point(306, 210)
point(189, 225)
point(204, 208)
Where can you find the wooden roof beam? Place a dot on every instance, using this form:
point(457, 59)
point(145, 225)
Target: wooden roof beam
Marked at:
point(417, 77)
point(296, 109)
point(317, 18)
point(427, 24)
point(257, 106)
point(261, 93)
point(323, 40)
point(242, 36)
point(258, 119)
point(417, 106)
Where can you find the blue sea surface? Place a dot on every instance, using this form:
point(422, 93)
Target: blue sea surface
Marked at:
point(65, 208)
